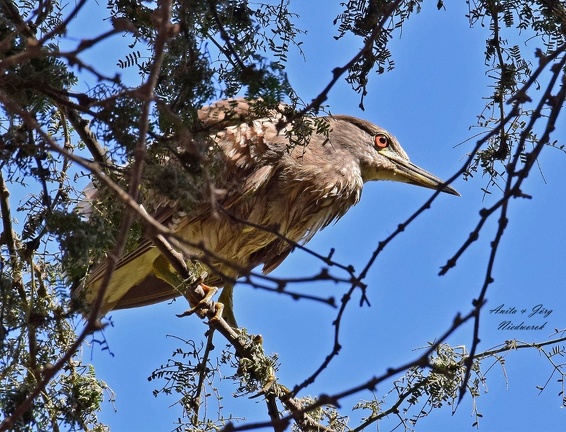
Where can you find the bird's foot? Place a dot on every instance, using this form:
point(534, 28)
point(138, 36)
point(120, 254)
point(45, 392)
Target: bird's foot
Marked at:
point(206, 304)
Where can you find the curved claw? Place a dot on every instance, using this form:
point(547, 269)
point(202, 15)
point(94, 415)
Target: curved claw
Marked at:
point(205, 304)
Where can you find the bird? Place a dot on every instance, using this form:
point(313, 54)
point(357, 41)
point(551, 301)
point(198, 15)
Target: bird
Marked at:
point(268, 195)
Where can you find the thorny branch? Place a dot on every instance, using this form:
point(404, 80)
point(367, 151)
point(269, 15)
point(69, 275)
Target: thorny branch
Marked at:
point(371, 384)
point(513, 190)
point(93, 323)
point(161, 236)
point(338, 72)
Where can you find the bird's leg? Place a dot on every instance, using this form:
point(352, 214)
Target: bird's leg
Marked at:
point(202, 307)
point(226, 299)
point(199, 297)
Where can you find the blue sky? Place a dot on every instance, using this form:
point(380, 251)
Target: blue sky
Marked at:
point(428, 102)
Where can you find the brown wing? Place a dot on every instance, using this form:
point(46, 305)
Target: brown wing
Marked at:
point(242, 158)
point(233, 112)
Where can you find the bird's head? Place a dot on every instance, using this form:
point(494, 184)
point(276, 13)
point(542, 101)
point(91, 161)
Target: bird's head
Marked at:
point(382, 157)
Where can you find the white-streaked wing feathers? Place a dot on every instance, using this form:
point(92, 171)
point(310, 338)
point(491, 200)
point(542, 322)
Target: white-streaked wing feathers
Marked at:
point(296, 192)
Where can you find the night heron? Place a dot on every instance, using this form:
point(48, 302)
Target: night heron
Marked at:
point(293, 191)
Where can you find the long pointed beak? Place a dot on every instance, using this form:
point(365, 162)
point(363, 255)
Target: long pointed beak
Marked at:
point(408, 172)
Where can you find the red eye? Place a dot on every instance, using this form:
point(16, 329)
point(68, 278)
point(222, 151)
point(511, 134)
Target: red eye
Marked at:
point(381, 141)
